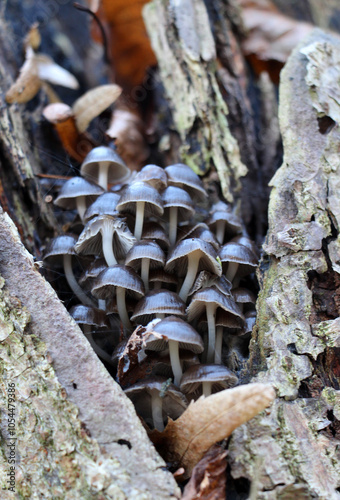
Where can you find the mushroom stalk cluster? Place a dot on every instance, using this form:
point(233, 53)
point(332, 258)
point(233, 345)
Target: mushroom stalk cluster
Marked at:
point(153, 263)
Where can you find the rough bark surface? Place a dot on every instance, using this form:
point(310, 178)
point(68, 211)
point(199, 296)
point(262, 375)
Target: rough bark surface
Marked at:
point(294, 448)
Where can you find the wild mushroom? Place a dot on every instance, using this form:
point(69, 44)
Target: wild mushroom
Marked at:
point(140, 198)
point(155, 232)
point(75, 193)
point(105, 204)
point(106, 235)
point(59, 253)
point(117, 280)
point(158, 303)
point(88, 276)
point(210, 299)
point(174, 333)
point(244, 297)
point(89, 317)
point(159, 277)
point(206, 379)
point(225, 224)
point(240, 259)
point(103, 165)
point(157, 395)
point(145, 255)
point(180, 207)
point(192, 254)
point(181, 175)
point(153, 175)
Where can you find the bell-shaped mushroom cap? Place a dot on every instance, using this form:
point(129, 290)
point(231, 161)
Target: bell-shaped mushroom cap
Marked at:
point(239, 254)
point(96, 267)
point(247, 242)
point(232, 226)
point(84, 315)
point(175, 197)
point(73, 189)
point(158, 302)
point(58, 247)
point(203, 232)
point(243, 296)
point(154, 231)
point(140, 191)
point(174, 402)
point(153, 175)
point(218, 375)
point(145, 250)
point(117, 276)
point(90, 241)
point(105, 204)
point(181, 175)
point(158, 334)
point(160, 276)
point(206, 279)
point(211, 295)
point(178, 258)
point(103, 156)
point(234, 324)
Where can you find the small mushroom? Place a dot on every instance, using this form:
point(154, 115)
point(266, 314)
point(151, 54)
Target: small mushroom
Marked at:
point(238, 258)
point(180, 207)
point(155, 232)
point(118, 280)
point(104, 166)
point(225, 224)
point(140, 198)
point(244, 297)
point(158, 303)
point(206, 379)
point(106, 235)
point(181, 175)
point(174, 333)
point(210, 299)
point(105, 204)
point(59, 253)
point(153, 175)
point(76, 193)
point(159, 277)
point(157, 398)
point(145, 255)
point(89, 318)
point(192, 254)
point(87, 278)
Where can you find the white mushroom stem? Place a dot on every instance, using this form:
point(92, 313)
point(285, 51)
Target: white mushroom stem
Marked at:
point(145, 266)
point(98, 350)
point(81, 206)
point(193, 261)
point(140, 205)
point(231, 271)
point(220, 231)
point(103, 174)
point(206, 389)
point(173, 225)
point(157, 411)
point(107, 236)
point(73, 284)
point(175, 362)
point(102, 304)
point(211, 312)
point(121, 306)
point(218, 345)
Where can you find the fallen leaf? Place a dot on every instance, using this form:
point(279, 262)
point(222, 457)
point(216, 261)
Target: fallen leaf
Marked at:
point(94, 102)
point(129, 362)
point(28, 83)
point(208, 479)
point(208, 421)
point(33, 38)
point(127, 129)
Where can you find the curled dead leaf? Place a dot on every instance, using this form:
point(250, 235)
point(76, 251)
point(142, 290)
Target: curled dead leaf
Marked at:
point(94, 102)
point(208, 421)
point(28, 83)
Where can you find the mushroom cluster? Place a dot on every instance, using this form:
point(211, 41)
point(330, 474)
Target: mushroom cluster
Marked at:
point(163, 257)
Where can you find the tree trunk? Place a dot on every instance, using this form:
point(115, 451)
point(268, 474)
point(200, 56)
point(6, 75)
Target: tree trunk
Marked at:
point(77, 435)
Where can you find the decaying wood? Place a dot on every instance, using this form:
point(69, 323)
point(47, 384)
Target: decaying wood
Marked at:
point(295, 450)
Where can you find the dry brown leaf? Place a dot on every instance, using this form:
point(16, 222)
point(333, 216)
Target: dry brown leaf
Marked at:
point(94, 102)
point(208, 479)
point(208, 421)
point(33, 38)
point(51, 72)
point(126, 128)
point(28, 83)
point(61, 116)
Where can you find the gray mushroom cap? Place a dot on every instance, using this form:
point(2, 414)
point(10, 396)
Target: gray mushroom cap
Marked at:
point(154, 231)
point(174, 402)
point(235, 252)
point(220, 376)
point(140, 191)
point(153, 175)
point(211, 295)
point(233, 225)
point(181, 175)
point(58, 247)
point(178, 198)
point(243, 296)
point(73, 189)
point(144, 249)
point(158, 302)
point(206, 279)
point(178, 258)
point(158, 334)
point(96, 267)
point(118, 172)
point(117, 276)
point(105, 204)
point(85, 315)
